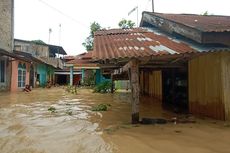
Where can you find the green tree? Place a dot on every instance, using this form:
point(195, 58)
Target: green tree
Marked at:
point(39, 42)
point(94, 27)
point(205, 13)
point(126, 24)
point(88, 44)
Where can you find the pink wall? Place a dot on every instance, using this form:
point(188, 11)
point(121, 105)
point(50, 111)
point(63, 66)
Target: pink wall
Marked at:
point(14, 78)
point(28, 73)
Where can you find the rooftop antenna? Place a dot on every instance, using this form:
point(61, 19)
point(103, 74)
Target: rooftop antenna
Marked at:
point(50, 31)
point(153, 6)
point(59, 41)
point(134, 9)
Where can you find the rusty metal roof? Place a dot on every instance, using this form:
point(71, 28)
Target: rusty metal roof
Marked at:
point(78, 61)
point(138, 42)
point(80, 58)
point(87, 55)
point(83, 61)
point(68, 57)
point(204, 23)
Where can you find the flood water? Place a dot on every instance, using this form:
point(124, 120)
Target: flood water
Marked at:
point(26, 126)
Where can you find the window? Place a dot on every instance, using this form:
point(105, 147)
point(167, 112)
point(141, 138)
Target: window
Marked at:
point(21, 75)
point(2, 71)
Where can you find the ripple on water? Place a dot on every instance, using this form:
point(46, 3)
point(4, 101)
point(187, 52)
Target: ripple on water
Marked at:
point(30, 127)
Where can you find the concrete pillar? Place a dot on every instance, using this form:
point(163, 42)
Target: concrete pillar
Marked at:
point(82, 75)
point(71, 76)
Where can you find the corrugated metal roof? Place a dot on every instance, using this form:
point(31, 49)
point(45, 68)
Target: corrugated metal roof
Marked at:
point(205, 23)
point(80, 58)
point(57, 50)
point(83, 61)
point(87, 55)
point(119, 31)
point(138, 42)
point(69, 57)
point(78, 61)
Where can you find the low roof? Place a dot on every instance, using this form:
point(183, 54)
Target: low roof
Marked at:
point(53, 48)
point(87, 55)
point(20, 55)
point(70, 57)
point(204, 23)
point(26, 57)
point(83, 61)
point(137, 42)
point(6, 53)
point(57, 49)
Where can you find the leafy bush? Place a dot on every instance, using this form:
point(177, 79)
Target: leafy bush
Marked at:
point(101, 107)
point(52, 109)
point(103, 87)
point(71, 89)
point(90, 79)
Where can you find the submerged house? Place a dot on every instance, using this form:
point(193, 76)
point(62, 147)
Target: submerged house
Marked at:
point(23, 70)
point(44, 61)
point(207, 74)
point(180, 63)
point(83, 71)
point(6, 42)
point(62, 76)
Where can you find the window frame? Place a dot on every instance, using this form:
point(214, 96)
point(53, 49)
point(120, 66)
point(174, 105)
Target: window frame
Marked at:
point(4, 82)
point(21, 75)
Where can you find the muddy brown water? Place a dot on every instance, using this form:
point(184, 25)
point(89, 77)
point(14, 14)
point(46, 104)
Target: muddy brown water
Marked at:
point(26, 126)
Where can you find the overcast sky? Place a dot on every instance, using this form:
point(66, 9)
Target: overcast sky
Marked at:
point(33, 18)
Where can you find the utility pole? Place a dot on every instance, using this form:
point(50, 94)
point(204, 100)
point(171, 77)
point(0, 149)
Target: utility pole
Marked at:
point(59, 43)
point(153, 6)
point(137, 16)
point(134, 9)
point(50, 31)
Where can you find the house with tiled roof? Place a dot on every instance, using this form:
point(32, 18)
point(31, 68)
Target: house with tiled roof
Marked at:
point(181, 60)
point(79, 70)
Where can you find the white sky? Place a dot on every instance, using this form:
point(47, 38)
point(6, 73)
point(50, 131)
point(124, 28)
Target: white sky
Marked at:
point(33, 18)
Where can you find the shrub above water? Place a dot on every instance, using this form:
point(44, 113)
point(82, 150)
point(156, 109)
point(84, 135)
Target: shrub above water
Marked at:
point(71, 89)
point(103, 87)
point(101, 107)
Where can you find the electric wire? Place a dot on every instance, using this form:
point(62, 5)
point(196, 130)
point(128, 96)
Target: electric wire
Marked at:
point(64, 14)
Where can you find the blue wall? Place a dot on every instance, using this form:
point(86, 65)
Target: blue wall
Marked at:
point(42, 71)
point(99, 77)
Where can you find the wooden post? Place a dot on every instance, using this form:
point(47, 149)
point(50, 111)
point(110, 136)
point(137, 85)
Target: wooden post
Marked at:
point(132, 67)
point(134, 82)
